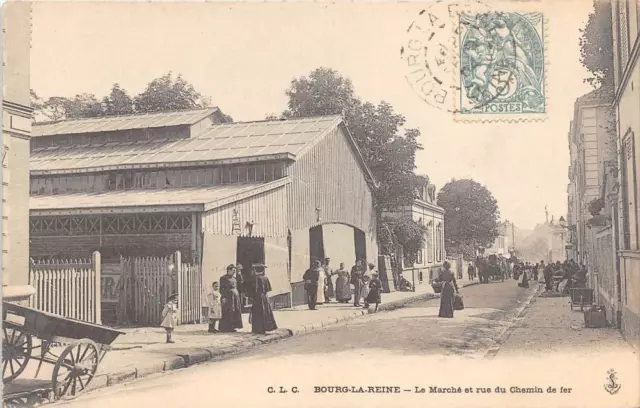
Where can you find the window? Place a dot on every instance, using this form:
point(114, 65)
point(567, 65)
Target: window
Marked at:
point(112, 181)
point(278, 171)
point(430, 248)
point(226, 175)
point(217, 176)
point(629, 193)
point(251, 176)
point(185, 180)
point(268, 172)
point(260, 173)
point(233, 175)
point(153, 179)
point(242, 174)
point(419, 257)
point(128, 180)
point(439, 242)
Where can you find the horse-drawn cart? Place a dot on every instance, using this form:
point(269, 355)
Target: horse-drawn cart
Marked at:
point(83, 346)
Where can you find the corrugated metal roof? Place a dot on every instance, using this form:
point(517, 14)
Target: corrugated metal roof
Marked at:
point(220, 142)
point(116, 123)
point(209, 197)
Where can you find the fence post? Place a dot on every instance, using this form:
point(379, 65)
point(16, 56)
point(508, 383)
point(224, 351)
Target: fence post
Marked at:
point(177, 267)
point(97, 267)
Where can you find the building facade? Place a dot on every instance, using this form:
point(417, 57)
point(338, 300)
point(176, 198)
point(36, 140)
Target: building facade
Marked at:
point(275, 192)
point(590, 141)
point(16, 130)
point(626, 46)
point(503, 242)
point(423, 266)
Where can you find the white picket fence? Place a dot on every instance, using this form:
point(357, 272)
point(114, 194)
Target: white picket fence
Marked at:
point(69, 288)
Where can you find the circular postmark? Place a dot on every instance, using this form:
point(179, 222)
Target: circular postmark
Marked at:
point(430, 52)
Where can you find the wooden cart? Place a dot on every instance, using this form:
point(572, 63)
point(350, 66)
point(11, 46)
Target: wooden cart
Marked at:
point(581, 297)
point(74, 367)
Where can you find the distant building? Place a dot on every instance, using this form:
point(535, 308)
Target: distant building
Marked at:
point(16, 130)
point(278, 192)
point(425, 211)
point(502, 244)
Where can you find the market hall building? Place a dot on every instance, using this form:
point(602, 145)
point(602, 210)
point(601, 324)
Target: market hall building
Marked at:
point(278, 192)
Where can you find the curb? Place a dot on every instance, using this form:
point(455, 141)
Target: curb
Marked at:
point(203, 354)
point(506, 332)
point(184, 360)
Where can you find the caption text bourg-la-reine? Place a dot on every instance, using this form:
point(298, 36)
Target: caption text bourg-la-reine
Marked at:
point(349, 389)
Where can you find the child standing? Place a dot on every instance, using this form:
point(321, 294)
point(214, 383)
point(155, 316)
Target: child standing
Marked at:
point(375, 288)
point(170, 316)
point(215, 307)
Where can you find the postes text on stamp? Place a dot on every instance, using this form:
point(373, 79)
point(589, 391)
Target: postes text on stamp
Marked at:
point(502, 65)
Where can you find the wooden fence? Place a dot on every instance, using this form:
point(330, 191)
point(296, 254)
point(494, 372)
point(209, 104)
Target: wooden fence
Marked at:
point(70, 288)
point(147, 283)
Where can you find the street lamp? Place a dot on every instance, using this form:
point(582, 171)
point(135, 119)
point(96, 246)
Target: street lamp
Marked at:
point(563, 223)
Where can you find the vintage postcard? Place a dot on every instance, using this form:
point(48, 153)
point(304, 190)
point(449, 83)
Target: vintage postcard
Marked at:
point(321, 204)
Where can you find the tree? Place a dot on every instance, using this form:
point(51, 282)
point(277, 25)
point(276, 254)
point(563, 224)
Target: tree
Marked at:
point(81, 106)
point(118, 102)
point(471, 215)
point(596, 45)
point(387, 149)
point(167, 94)
point(161, 95)
point(404, 232)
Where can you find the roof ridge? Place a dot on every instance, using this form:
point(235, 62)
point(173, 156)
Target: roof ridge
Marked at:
point(127, 115)
point(333, 117)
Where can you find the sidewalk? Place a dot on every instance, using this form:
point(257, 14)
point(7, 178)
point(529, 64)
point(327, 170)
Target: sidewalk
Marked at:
point(142, 351)
point(550, 326)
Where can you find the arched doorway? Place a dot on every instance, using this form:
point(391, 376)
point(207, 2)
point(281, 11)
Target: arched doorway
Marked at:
point(340, 242)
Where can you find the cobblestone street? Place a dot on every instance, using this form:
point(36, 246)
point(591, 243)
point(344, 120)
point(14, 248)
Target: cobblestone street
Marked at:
point(338, 354)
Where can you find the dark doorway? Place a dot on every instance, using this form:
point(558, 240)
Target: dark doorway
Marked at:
point(316, 243)
point(360, 244)
point(250, 250)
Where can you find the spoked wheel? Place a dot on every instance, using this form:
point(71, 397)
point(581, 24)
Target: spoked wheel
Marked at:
point(75, 368)
point(16, 352)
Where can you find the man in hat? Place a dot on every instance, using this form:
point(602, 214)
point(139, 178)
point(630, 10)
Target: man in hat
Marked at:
point(328, 271)
point(311, 278)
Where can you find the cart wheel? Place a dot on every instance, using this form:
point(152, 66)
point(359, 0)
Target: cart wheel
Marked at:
point(16, 352)
point(75, 368)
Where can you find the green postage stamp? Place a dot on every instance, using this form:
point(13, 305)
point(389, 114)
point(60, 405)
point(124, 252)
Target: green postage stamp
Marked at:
point(501, 66)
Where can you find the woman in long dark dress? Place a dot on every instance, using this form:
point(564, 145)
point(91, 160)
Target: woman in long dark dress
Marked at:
point(262, 319)
point(449, 290)
point(231, 304)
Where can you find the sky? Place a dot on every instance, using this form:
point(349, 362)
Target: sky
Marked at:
point(244, 56)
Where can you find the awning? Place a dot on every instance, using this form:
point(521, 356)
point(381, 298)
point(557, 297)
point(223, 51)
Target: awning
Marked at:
point(150, 200)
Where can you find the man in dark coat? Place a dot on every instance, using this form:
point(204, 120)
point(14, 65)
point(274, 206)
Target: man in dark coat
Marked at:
point(310, 278)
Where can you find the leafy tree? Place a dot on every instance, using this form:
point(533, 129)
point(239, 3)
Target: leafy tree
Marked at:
point(596, 45)
point(80, 106)
point(471, 217)
point(378, 130)
point(162, 94)
point(118, 102)
point(166, 94)
point(404, 232)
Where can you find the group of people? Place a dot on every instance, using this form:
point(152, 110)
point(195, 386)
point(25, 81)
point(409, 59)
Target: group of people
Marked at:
point(319, 287)
point(568, 274)
point(225, 303)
